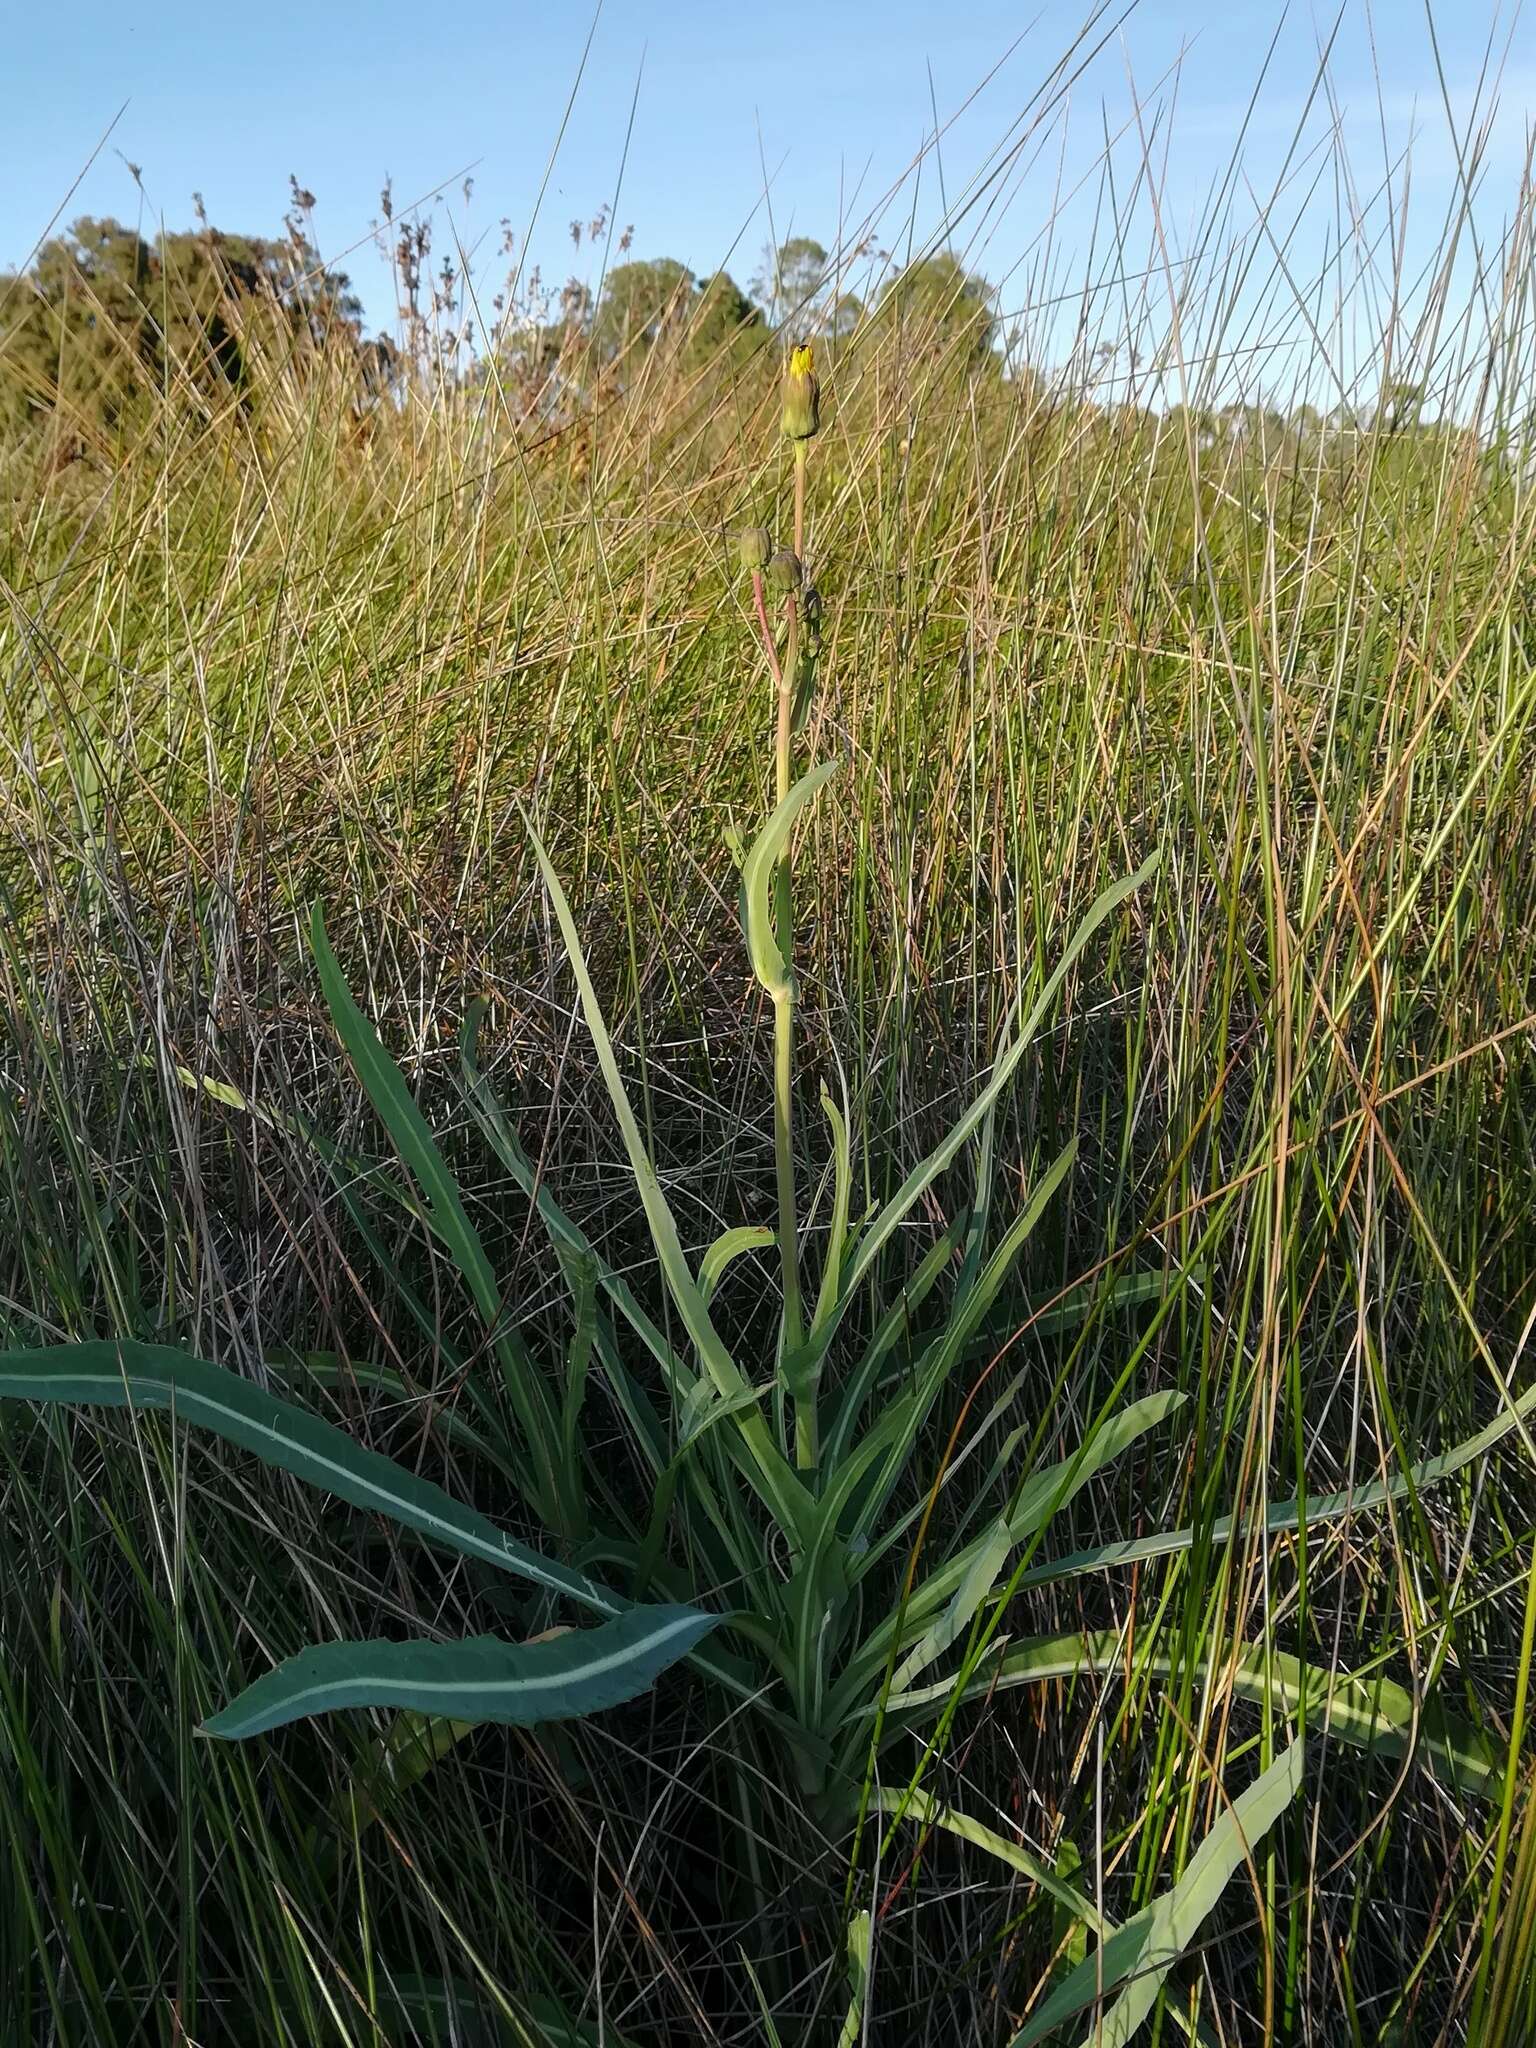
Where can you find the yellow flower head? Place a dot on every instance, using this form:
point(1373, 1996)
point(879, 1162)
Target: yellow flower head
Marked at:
point(802, 395)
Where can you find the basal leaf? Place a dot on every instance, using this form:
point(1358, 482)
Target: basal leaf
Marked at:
point(1140, 1953)
point(563, 1678)
point(121, 1373)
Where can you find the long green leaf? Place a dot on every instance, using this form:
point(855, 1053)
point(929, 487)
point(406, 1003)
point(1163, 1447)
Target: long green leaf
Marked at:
point(1073, 1908)
point(893, 1325)
point(986, 1559)
point(1293, 1514)
point(384, 1085)
point(859, 1947)
point(1142, 1952)
point(837, 1236)
point(902, 1422)
point(729, 1245)
point(1042, 1496)
point(483, 1679)
point(914, 1804)
point(1365, 1709)
point(565, 1235)
point(440, 2014)
point(121, 1373)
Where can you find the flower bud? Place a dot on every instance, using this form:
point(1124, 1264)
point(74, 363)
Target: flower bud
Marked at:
point(754, 545)
point(802, 396)
point(810, 607)
point(784, 570)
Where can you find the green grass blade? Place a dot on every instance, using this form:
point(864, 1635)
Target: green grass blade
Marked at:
point(1140, 1953)
point(522, 1685)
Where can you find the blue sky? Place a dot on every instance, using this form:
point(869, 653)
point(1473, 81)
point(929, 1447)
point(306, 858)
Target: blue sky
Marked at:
point(835, 99)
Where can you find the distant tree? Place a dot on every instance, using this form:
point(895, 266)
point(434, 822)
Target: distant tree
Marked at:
point(797, 286)
point(943, 306)
point(104, 323)
point(646, 303)
point(721, 315)
point(791, 277)
point(76, 332)
point(844, 314)
point(642, 302)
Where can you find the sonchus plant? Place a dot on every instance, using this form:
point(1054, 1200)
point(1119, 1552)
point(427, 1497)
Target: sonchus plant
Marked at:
point(792, 1480)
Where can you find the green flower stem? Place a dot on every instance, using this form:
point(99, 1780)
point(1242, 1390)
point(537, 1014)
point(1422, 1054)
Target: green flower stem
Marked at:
point(784, 1023)
point(784, 1059)
point(793, 1328)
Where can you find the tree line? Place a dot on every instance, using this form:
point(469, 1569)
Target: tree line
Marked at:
point(104, 325)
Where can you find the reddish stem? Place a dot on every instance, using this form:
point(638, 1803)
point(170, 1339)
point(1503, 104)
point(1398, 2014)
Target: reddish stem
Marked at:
point(765, 629)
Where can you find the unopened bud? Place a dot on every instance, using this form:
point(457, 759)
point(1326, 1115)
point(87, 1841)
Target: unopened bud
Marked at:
point(785, 570)
point(810, 606)
point(754, 545)
point(802, 396)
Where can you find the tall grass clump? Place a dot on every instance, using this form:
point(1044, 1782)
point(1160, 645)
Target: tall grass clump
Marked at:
point(766, 1123)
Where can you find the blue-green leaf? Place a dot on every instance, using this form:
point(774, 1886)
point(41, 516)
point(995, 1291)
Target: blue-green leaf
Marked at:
point(559, 1678)
point(730, 1244)
point(121, 1373)
point(760, 1458)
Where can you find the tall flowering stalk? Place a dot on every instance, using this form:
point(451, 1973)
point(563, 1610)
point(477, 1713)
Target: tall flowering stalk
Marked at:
point(783, 570)
point(801, 422)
